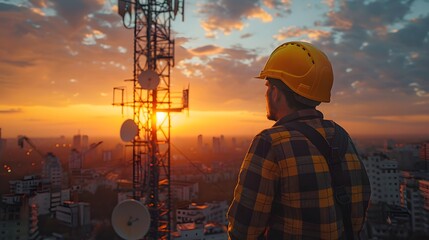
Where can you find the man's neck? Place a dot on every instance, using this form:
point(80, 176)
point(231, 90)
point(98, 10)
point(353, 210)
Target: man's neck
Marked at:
point(285, 110)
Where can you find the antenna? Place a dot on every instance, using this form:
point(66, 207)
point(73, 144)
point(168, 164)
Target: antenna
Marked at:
point(148, 135)
point(148, 79)
point(129, 130)
point(131, 219)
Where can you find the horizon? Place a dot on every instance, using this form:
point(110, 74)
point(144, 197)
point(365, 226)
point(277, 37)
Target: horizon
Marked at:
point(207, 137)
point(60, 62)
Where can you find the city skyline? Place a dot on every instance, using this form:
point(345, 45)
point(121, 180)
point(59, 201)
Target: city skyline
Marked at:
point(61, 60)
point(397, 170)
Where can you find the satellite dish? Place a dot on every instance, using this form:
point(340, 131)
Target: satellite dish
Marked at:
point(129, 130)
point(148, 79)
point(131, 219)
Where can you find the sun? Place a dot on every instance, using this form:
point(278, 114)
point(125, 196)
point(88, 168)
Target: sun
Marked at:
point(161, 118)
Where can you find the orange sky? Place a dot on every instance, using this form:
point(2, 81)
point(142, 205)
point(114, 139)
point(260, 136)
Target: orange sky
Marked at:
point(59, 65)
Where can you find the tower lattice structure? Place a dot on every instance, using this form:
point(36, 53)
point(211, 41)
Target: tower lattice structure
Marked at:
point(153, 53)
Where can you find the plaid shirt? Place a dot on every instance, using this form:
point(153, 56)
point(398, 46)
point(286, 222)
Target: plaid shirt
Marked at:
point(284, 186)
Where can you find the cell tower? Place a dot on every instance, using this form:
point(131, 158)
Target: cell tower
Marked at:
point(149, 130)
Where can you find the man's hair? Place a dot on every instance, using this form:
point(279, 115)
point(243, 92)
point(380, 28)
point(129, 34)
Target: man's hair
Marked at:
point(294, 100)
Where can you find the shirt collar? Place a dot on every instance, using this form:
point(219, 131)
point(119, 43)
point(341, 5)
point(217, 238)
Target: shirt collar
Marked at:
point(304, 114)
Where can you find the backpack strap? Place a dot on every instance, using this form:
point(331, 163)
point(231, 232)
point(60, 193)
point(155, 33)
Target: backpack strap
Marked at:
point(333, 154)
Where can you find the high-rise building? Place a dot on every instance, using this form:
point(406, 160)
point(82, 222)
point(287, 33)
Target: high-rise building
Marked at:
point(2, 147)
point(77, 142)
point(75, 161)
point(424, 151)
point(424, 191)
point(384, 178)
point(18, 219)
point(234, 143)
point(80, 142)
point(414, 196)
point(222, 143)
point(84, 143)
point(216, 145)
point(200, 140)
point(53, 171)
point(200, 144)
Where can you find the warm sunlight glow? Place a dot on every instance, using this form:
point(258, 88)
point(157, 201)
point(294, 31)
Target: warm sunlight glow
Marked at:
point(161, 118)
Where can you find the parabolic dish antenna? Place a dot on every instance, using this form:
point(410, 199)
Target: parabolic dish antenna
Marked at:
point(129, 130)
point(148, 79)
point(131, 219)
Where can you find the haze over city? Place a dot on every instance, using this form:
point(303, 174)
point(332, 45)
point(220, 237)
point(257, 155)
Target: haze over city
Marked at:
point(60, 61)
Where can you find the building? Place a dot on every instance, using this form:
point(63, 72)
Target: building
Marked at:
point(200, 144)
point(77, 142)
point(18, 219)
point(424, 156)
point(192, 231)
point(414, 195)
point(214, 212)
point(216, 145)
point(424, 151)
point(84, 143)
point(43, 202)
point(407, 156)
point(53, 171)
point(424, 191)
point(75, 161)
point(384, 178)
point(40, 193)
point(29, 184)
point(74, 214)
point(3, 146)
point(184, 191)
point(387, 222)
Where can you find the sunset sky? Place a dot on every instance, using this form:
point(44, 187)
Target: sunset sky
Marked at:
point(61, 59)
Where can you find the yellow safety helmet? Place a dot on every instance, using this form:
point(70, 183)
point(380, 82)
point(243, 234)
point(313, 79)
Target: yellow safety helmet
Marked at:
point(303, 68)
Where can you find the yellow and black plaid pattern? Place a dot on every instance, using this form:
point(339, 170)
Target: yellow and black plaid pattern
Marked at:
point(284, 186)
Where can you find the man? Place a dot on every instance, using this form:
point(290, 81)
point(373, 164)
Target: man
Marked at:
point(289, 186)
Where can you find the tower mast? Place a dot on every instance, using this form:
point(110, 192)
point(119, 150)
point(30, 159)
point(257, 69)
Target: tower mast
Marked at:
point(153, 61)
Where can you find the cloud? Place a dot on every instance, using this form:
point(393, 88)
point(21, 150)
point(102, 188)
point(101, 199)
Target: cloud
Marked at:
point(261, 14)
point(405, 119)
point(9, 8)
point(230, 15)
point(11, 111)
point(246, 35)
point(276, 4)
point(379, 55)
point(42, 50)
point(224, 79)
point(295, 32)
point(206, 50)
point(330, 3)
point(373, 15)
point(385, 52)
point(76, 12)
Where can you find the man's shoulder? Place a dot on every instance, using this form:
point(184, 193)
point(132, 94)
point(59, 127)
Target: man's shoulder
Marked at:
point(275, 133)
